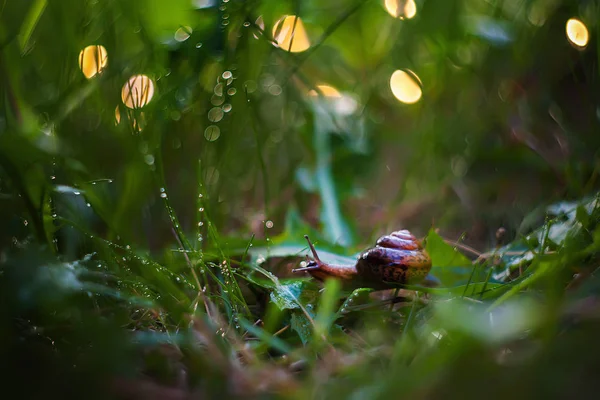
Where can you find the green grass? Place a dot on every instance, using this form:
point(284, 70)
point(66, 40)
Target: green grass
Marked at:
point(156, 262)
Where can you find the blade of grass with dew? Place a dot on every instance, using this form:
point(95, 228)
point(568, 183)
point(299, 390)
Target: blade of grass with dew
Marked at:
point(326, 314)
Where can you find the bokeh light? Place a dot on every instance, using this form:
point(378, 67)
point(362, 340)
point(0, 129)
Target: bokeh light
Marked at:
point(290, 35)
point(260, 23)
point(577, 33)
point(326, 90)
point(182, 34)
point(401, 8)
point(406, 86)
point(93, 60)
point(212, 133)
point(341, 103)
point(138, 91)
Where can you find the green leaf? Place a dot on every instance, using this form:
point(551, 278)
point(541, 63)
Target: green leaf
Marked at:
point(286, 295)
point(358, 296)
point(302, 326)
point(442, 254)
point(449, 265)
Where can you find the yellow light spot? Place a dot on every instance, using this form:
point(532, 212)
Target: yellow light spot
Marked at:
point(117, 116)
point(138, 91)
point(406, 86)
point(289, 34)
point(401, 8)
point(577, 33)
point(92, 60)
point(326, 90)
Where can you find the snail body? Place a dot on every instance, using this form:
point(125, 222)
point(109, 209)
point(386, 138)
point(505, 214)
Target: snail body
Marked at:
point(396, 258)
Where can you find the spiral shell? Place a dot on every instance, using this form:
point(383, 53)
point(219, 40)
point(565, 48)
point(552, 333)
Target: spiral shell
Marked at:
point(396, 258)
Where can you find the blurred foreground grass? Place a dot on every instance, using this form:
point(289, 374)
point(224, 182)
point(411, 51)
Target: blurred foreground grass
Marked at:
point(160, 163)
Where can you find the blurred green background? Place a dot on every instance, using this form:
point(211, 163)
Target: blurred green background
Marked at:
point(147, 146)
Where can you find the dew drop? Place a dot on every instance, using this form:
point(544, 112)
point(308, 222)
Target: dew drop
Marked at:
point(217, 100)
point(212, 133)
point(149, 159)
point(215, 114)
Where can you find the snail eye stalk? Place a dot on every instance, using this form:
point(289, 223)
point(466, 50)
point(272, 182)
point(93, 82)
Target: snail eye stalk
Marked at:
point(312, 249)
point(311, 264)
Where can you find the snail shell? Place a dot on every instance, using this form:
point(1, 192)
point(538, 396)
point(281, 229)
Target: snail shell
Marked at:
point(396, 258)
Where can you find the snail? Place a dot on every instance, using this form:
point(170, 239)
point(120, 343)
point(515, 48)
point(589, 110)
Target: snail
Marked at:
point(396, 258)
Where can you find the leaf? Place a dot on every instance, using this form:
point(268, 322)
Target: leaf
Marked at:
point(506, 323)
point(285, 295)
point(292, 293)
point(296, 250)
point(442, 254)
point(302, 326)
point(358, 296)
point(449, 265)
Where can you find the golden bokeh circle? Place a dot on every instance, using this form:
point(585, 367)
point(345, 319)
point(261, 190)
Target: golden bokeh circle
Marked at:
point(401, 8)
point(406, 86)
point(326, 90)
point(137, 91)
point(290, 35)
point(577, 33)
point(93, 60)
